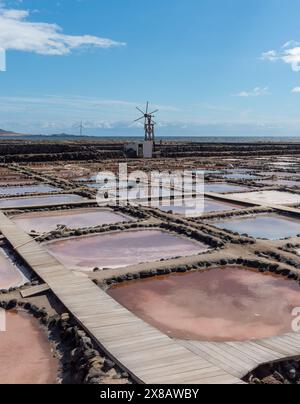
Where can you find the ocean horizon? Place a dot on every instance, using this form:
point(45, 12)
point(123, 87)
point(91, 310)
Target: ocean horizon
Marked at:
point(189, 139)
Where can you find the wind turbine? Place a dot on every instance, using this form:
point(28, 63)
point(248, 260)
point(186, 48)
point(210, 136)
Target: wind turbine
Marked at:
point(149, 122)
point(80, 127)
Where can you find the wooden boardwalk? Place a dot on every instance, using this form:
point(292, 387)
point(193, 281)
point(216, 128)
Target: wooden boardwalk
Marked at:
point(240, 358)
point(147, 354)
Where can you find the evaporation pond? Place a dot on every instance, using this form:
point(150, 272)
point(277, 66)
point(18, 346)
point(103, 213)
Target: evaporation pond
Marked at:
point(271, 226)
point(193, 208)
point(30, 189)
point(268, 197)
point(223, 187)
point(285, 183)
point(241, 176)
point(10, 275)
point(121, 249)
point(73, 219)
point(40, 200)
point(221, 304)
point(25, 353)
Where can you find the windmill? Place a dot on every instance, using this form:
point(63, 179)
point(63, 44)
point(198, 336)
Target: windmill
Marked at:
point(149, 123)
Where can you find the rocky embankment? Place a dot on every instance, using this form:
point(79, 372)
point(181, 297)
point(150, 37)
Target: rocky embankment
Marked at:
point(287, 372)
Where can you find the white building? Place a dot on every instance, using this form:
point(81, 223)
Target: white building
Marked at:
point(143, 150)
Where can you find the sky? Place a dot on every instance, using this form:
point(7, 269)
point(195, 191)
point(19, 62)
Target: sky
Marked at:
point(211, 67)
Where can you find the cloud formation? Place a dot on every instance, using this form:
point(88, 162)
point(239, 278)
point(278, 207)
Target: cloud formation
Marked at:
point(289, 54)
point(18, 33)
point(256, 92)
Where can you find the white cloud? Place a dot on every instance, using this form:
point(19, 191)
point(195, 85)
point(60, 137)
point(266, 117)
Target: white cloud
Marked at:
point(18, 33)
point(296, 90)
point(256, 92)
point(289, 54)
point(270, 55)
point(290, 44)
point(80, 103)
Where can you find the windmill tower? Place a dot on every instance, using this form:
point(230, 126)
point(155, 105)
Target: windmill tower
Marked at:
point(148, 147)
point(149, 123)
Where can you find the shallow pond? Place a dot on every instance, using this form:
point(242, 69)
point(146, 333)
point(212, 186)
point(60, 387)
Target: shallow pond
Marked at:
point(40, 200)
point(10, 275)
point(139, 193)
point(25, 353)
point(190, 207)
point(30, 189)
point(268, 197)
point(228, 304)
point(279, 174)
point(73, 219)
point(271, 226)
point(121, 249)
point(241, 176)
point(285, 183)
point(223, 188)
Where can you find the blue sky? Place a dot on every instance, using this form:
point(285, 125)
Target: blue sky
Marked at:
point(213, 67)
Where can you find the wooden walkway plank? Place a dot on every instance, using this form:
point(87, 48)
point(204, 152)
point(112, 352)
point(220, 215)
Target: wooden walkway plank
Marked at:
point(35, 290)
point(240, 358)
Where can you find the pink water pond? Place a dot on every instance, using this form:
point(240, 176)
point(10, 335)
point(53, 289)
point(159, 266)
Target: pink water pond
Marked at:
point(40, 200)
point(193, 209)
point(226, 304)
point(10, 275)
point(121, 249)
point(25, 353)
point(73, 219)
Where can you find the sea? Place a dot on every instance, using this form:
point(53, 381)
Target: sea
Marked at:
point(185, 139)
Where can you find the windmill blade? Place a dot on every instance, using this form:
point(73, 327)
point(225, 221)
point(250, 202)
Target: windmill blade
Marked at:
point(142, 112)
point(139, 119)
point(147, 107)
point(154, 112)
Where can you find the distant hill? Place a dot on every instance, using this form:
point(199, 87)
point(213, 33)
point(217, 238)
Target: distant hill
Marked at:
point(5, 133)
point(61, 135)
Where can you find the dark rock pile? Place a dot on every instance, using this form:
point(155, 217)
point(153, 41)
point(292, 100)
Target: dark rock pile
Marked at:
point(204, 264)
point(286, 372)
